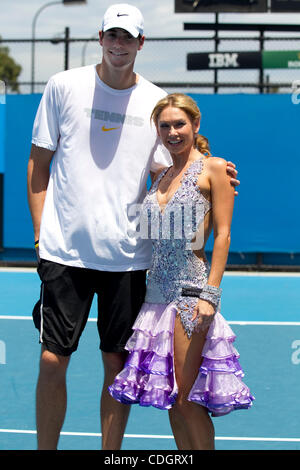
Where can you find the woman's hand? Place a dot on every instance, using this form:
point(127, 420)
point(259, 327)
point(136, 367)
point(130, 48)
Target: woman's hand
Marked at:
point(205, 313)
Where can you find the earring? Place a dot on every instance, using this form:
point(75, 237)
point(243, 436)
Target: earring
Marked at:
point(195, 140)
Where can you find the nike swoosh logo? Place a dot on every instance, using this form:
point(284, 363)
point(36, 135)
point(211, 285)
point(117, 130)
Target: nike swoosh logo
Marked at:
point(121, 14)
point(105, 129)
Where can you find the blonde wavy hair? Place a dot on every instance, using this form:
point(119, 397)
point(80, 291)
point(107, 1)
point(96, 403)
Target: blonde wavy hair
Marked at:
point(189, 106)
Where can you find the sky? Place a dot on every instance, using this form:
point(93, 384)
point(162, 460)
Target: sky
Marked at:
point(16, 18)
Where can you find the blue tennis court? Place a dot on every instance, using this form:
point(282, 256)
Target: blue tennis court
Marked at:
point(263, 310)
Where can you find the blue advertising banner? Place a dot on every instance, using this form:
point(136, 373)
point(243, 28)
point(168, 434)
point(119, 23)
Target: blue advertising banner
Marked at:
point(259, 133)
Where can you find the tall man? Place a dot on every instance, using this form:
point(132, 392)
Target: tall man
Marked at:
point(92, 150)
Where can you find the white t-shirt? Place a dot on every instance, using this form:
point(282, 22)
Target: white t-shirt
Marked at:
point(104, 147)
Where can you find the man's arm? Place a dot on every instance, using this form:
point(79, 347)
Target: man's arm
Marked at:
point(232, 172)
point(38, 173)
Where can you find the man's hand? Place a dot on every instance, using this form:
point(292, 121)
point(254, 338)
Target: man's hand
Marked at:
point(232, 172)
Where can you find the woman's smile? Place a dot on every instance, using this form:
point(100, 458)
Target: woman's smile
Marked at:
point(176, 130)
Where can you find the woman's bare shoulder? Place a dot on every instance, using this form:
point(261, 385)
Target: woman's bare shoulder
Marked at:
point(215, 164)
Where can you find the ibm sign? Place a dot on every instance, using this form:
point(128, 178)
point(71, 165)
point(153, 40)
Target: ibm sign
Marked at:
point(285, 5)
point(223, 60)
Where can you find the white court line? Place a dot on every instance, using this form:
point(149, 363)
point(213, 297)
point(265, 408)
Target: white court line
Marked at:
point(233, 322)
point(157, 436)
point(261, 274)
point(226, 273)
point(15, 317)
point(17, 270)
point(268, 323)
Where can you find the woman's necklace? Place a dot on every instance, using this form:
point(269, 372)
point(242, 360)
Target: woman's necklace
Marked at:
point(173, 174)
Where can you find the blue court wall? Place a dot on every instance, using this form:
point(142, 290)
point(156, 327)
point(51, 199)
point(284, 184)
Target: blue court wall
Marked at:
point(259, 133)
point(2, 135)
point(17, 227)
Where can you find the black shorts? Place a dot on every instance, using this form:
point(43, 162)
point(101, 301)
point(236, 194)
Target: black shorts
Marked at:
point(66, 296)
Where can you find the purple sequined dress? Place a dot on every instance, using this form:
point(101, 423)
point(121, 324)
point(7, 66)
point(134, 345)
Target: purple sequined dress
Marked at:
point(148, 377)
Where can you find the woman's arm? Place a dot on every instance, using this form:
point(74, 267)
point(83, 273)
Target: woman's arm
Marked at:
point(222, 198)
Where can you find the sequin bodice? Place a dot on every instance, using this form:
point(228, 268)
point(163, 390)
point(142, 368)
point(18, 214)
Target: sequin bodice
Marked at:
point(174, 264)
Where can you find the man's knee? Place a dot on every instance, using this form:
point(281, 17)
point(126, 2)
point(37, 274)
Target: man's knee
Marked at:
point(113, 362)
point(53, 365)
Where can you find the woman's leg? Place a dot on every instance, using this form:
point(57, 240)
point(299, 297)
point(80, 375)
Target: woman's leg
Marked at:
point(190, 422)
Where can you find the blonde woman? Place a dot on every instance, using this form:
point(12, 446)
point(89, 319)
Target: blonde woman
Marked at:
point(181, 356)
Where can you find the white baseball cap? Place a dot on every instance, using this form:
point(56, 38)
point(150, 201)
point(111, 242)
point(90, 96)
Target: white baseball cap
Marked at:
point(124, 16)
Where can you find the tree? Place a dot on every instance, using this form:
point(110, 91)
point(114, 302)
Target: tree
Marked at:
point(9, 69)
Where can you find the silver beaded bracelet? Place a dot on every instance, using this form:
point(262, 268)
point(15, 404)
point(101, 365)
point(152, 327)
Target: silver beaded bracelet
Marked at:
point(207, 292)
point(211, 294)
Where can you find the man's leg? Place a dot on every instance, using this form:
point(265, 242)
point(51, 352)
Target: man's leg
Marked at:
point(119, 302)
point(114, 415)
point(60, 316)
point(51, 399)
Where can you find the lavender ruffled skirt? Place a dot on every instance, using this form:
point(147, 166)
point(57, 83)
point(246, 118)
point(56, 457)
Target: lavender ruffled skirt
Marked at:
point(148, 377)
